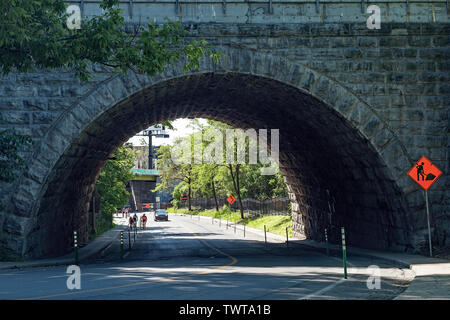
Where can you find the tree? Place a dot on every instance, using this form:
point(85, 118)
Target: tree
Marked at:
point(234, 166)
point(111, 184)
point(208, 181)
point(34, 34)
point(219, 177)
point(263, 187)
point(172, 171)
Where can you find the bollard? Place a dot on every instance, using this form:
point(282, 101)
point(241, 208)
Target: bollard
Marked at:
point(344, 252)
point(227, 223)
point(75, 246)
point(121, 244)
point(265, 236)
point(220, 222)
point(129, 240)
point(244, 229)
point(235, 227)
point(287, 238)
point(326, 242)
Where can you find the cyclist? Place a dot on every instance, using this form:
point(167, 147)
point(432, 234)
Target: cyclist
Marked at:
point(131, 221)
point(144, 221)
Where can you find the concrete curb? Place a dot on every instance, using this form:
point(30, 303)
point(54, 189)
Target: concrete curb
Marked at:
point(422, 271)
point(93, 248)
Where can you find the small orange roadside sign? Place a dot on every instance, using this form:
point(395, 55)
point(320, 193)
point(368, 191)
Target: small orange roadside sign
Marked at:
point(424, 173)
point(231, 199)
point(147, 205)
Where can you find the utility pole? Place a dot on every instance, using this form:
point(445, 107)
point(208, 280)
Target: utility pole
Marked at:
point(158, 131)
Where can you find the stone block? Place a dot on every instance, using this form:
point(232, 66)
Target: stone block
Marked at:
point(308, 80)
point(394, 157)
point(371, 127)
point(359, 114)
point(15, 117)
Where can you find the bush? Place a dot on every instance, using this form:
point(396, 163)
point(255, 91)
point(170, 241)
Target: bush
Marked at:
point(103, 223)
point(175, 203)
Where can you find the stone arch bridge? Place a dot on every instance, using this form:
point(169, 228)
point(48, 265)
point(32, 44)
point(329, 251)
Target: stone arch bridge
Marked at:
point(355, 108)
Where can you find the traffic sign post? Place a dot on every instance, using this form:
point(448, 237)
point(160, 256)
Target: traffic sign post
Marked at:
point(326, 242)
point(425, 174)
point(428, 222)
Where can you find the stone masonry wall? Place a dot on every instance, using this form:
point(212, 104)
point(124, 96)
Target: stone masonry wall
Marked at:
point(401, 73)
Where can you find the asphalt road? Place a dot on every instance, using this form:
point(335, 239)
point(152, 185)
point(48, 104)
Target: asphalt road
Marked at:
point(187, 259)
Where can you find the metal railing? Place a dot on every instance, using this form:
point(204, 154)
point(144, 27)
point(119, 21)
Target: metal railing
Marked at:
point(254, 207)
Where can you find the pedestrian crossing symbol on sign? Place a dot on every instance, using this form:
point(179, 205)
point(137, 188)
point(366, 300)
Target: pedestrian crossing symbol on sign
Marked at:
point(424, 173)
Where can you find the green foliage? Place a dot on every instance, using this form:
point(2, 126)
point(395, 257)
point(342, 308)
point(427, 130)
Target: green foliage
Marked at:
point(207, 180)
point(113, 180)
point(103, 223)
point(34, 34)
point(10, 161)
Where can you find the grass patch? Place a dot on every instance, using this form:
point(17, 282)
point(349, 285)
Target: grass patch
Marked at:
point(274, 223)
point(223, 214)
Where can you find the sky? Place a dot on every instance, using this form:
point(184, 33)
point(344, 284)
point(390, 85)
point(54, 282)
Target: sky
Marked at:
point(181, 126)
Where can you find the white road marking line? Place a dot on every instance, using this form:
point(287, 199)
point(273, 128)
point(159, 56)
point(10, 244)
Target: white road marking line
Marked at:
point(323, 290)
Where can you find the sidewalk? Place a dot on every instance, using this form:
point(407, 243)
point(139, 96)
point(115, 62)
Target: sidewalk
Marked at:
point(431, 276)
point(91, 249)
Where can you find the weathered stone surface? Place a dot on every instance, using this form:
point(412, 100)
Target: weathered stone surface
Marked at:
point(384, 102)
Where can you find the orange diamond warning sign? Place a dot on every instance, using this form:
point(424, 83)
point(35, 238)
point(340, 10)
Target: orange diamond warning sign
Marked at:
point(231, 199)
point(424, 173)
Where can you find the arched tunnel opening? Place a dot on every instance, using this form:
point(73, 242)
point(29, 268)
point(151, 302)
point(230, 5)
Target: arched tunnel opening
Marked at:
point(324, 160)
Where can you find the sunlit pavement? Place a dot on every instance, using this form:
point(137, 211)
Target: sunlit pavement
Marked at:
point(189, 259)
